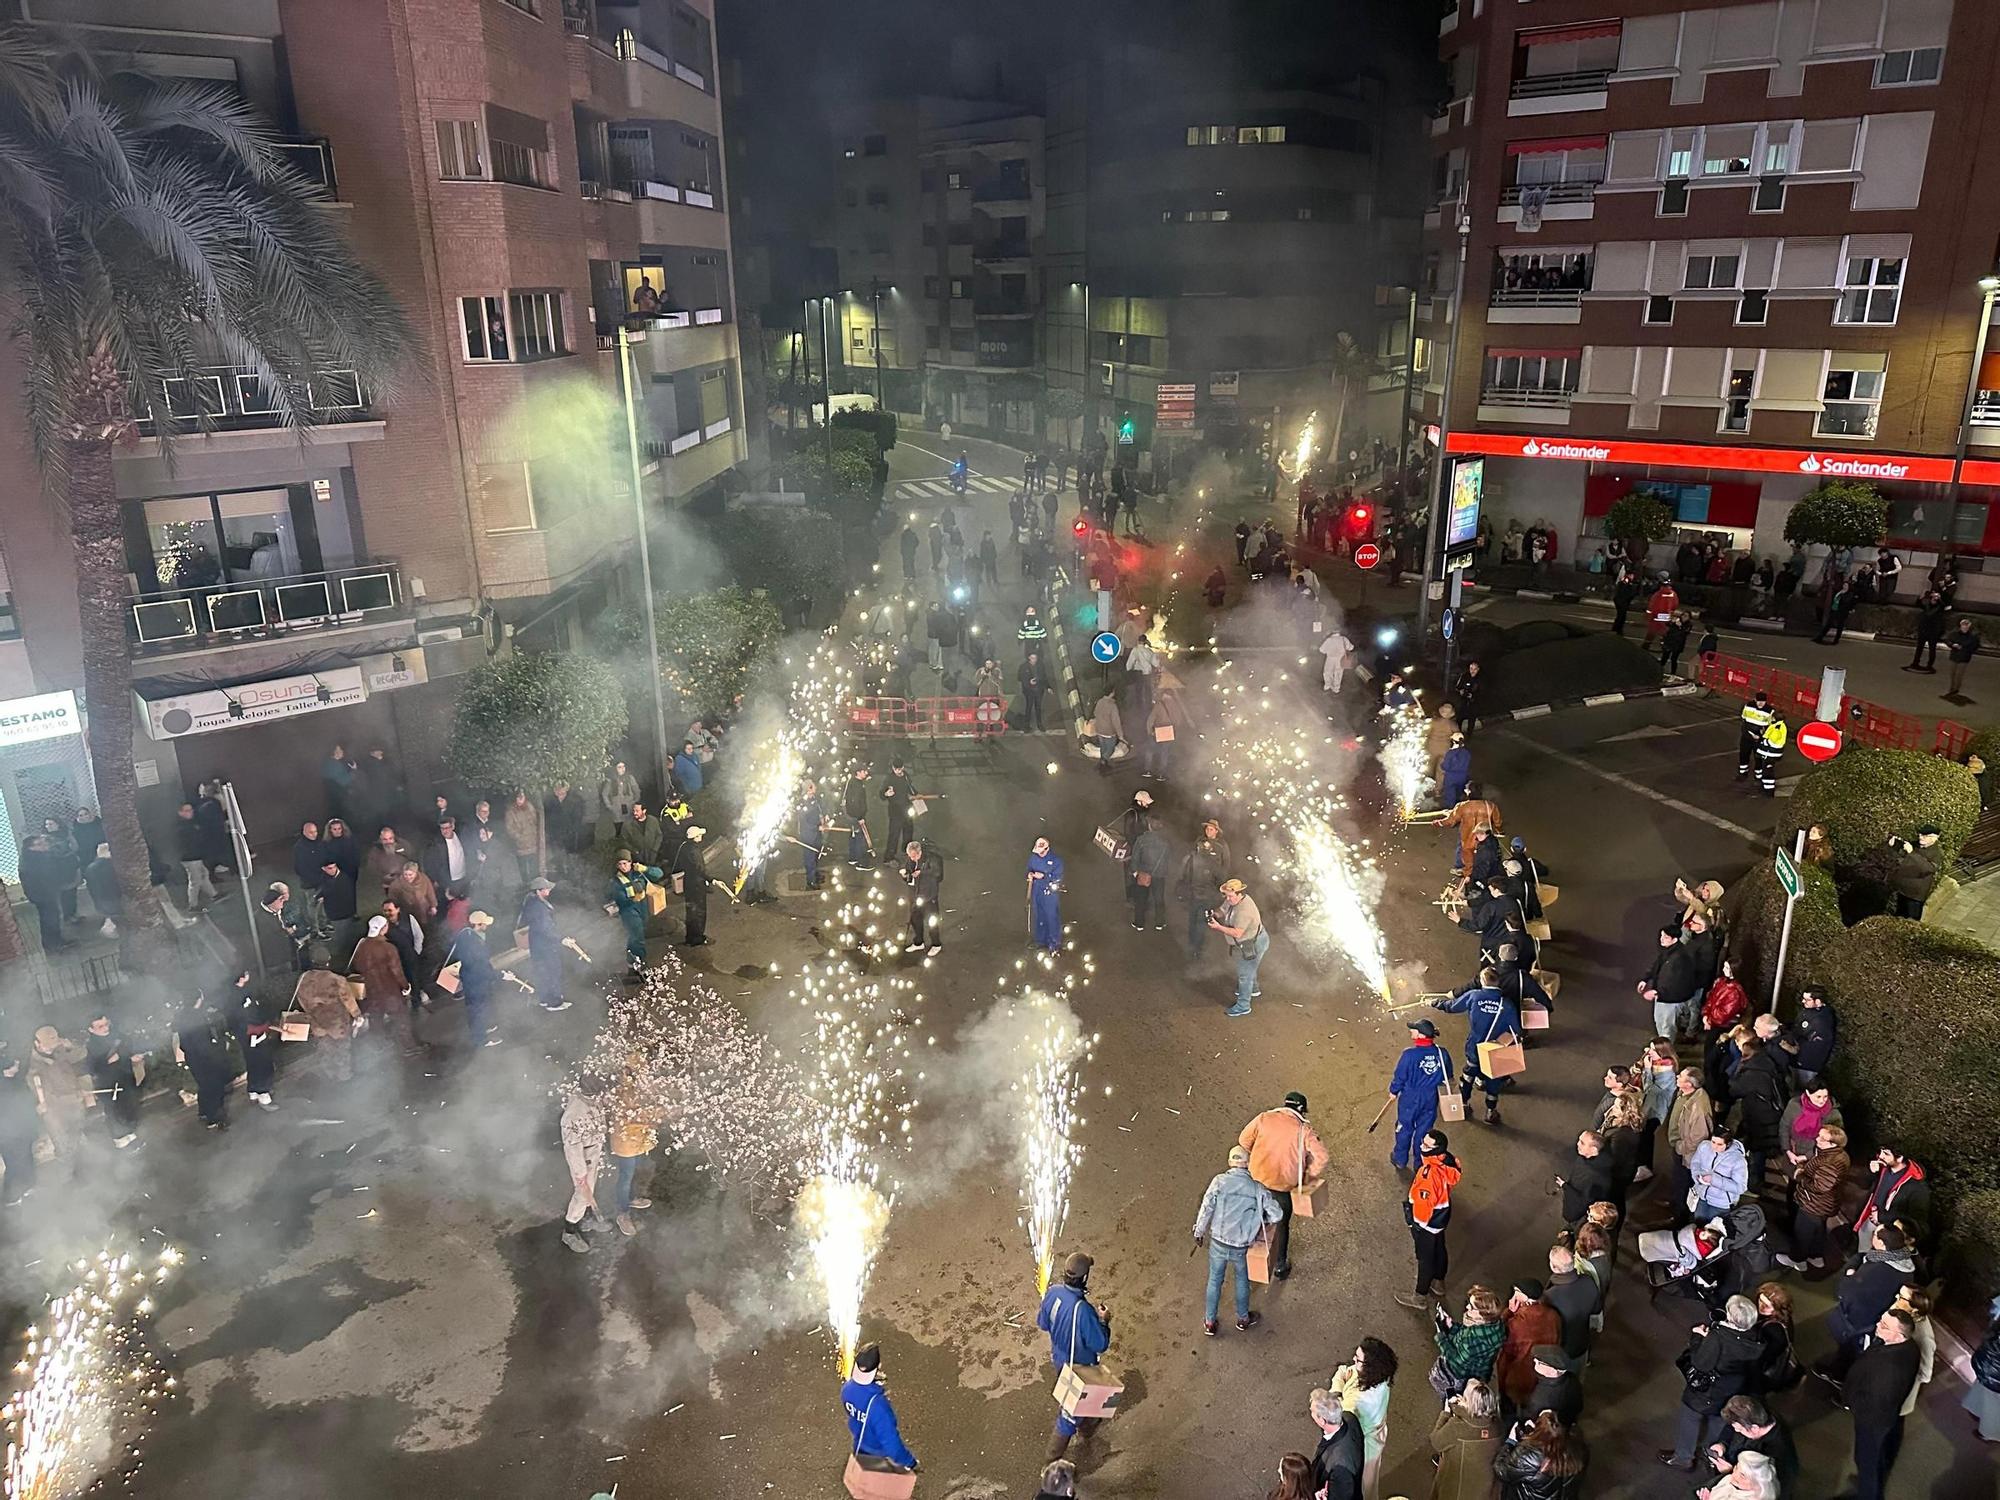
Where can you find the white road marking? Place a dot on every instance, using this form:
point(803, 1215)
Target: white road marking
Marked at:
point(1646, 732)
point(1576, 762)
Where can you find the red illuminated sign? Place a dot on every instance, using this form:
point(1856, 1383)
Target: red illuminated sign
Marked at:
point(1813, 463)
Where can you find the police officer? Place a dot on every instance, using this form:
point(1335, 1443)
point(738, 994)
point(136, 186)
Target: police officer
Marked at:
point(1758, 716)
point(1421, 1071)
point(1770, 748)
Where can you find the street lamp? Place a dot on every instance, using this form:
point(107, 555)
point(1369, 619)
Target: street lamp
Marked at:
point(1435, 529)
point(1989, 288)
point(875, 296)
point(625, 339)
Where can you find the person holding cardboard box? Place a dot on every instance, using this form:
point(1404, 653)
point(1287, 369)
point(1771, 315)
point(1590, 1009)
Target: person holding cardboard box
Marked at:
point(625, 899)
point(1079, 1332)
point(1233, 1214)
point(1490, 1017)
point(871, 1420)
point(1422, 1070)
point(1286, 1157)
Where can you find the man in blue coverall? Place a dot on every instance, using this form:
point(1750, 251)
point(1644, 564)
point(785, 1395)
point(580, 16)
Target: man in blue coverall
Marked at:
point(871, 1420)
point(1045, 874)
point(1079, 1333)
point(1489, 1017)
point(1421, 1071)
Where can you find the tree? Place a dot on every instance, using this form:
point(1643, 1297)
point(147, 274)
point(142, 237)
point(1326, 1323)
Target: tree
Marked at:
point(1064, 404)
point(148, 229)
point(1838, 513)
point(532, 719)
point(789, 553)
point(1350, 363)
point(852, 488)
point(711, 644)
point(1636, 521)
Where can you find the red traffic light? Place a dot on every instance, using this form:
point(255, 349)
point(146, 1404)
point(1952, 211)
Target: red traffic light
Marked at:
point(1080, 526)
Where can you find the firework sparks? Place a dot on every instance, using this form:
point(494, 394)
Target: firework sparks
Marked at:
point(1308, 436)
point(861, 1088)
point(1269, 770)
point(1047, 1095)
point(806, 744)
point(85, 1375)
point(1405, 759)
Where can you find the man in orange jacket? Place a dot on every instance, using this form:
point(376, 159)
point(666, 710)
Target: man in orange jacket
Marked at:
point(1285, 1154)
point(1660, 609)
point(1427, 1210)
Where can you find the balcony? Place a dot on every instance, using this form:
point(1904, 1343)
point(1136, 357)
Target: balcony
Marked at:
point(230, 399)
point(1524, 404)
point(998, 305)
point(1002, 190)
point(1559, 93)
point(249, 611)
point(1000, 250)
point(1528, 204)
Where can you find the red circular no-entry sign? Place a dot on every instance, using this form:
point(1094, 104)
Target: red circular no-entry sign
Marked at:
point(1819, 741)
point(1367, 555)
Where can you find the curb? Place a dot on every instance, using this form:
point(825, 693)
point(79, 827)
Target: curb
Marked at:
point(1603, 700)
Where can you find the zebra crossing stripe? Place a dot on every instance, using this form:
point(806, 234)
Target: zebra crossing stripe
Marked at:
point(992, 486)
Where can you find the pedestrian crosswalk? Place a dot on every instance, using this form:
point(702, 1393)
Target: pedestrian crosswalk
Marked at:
point(937, 489)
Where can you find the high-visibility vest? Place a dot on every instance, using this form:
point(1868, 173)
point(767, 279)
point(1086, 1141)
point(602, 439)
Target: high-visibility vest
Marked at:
point(1774, 737)
point(1756, 716)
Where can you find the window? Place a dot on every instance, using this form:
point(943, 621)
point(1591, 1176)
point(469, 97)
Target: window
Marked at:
point(1166, 216)
point(1194, 135)
point(1853, 401)
point(1659, 310)
point(1769, 197)
point(526, 7)
point(1260, 135)
point(954, 180)
point(1736, 401)
point(875, 145)
point(1752, 309)
point(461, 154)
point(1674, 200)
point(518, 164)
point(1680, 161)
point(505, 501)
point(1725, 165)
point(517, 148)
point(519, 326)
point(958, 286)
point(1302, 214)
point(1206, 215)
point(1913, 66)
point(1710, 272)
point(1777, 150)
point(1872, 291)
point(860, 337)
point(1550, 374)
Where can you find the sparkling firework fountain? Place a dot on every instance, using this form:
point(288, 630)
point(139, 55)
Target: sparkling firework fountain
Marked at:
point(85, 1374)
point(1046, 1096)
point(1270, 770)
point(806, 743)
point(1405, 760)
point(861, 1087)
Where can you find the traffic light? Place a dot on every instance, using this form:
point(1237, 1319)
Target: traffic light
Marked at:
point(1359, 521)
point(1080, 526)
point(1127, 431)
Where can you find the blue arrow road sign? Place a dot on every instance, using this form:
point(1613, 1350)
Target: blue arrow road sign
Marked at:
point(1105, 647)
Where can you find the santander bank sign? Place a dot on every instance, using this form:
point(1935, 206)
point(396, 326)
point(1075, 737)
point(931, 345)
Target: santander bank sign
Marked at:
point(1711, 456)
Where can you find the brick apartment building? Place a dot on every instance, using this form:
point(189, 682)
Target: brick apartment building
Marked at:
point(525, 175)
point(1717, 251)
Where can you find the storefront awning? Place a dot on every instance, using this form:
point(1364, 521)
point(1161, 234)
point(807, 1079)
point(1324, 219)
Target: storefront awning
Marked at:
point(1810, 462)
point(1553, 145)
point(1588, 31)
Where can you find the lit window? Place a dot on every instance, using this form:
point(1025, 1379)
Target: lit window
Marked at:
point(1736, 403)
point(1709, 272)
point(1853, 402)
point(954, 180)
point(1304, 213)
point(1872, 290)
point(1911, 66)
point(1274, 135)
point(460, 152)
point(1680, 162)
point(485, 328)
point(520, 326)
point(1194, 135)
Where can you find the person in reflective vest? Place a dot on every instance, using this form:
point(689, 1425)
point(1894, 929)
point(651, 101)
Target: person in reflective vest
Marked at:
point(1421, 1071)
point(1770, 747)
point(1758, 716)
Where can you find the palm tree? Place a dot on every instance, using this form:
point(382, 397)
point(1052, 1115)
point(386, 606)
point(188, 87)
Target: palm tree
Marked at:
point(148, 229)
point(1350, 363)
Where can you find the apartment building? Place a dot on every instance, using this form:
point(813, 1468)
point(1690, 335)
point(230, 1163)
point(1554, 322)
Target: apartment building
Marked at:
point(1717, 252)
point(527, 176)
point(938, 229)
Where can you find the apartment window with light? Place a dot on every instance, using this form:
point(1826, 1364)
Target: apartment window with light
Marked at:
point(957, 287)
point(513, 329)
point(461, 150)
point(1680, 162)
point(1872, 291)
point(1736, 401)
point(1910, 66)
point(954, 180)
point(1710, 272)
point(1853, 402)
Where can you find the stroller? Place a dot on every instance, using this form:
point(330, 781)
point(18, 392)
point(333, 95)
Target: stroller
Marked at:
point(1681, 1260)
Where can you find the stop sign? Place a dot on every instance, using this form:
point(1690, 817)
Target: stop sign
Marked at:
point(1819, 741)
point(1367, 555)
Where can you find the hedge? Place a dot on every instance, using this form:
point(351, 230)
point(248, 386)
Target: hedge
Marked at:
point(1919, 1054)
point(1863, 796)
point(1755, 913)
point(1600, 663)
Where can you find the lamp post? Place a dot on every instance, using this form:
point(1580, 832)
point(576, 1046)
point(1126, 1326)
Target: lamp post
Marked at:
point(826, 369)
point(1989, 288)
point(1083, 366)
point(625, 340)
point(1436, 527)
point(875, 296)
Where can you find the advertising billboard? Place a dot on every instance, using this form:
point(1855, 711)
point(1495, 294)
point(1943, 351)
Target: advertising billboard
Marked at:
point(1468, 485)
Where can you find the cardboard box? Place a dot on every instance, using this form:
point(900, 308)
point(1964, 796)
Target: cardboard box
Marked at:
point(1088, 1391)
point(1259, 1256)
point(1309, 1202)
point(1164, 734)
point(871, 1478)
point(1534, 1017)
point(1548, 893)
point(294, 1027)
point(1549, 980)
point(1502, 1059)
point(1538, 929)
point(1451, 1105)
point(656, 899)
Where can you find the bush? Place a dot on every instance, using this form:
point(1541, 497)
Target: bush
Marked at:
point(879, 425)
point(1755, 912)
point(1862, 796)
point(789, 553)
point(1537, 633)
point(532, 719)
point(1972, 1243)
point(1919, 1053)
point(1600, 663)
point(1838, 513)
point(1638, 521)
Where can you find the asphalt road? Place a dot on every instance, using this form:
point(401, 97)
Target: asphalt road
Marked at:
point(378, 1304)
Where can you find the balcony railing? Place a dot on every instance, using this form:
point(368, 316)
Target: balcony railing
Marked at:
point(1001, 250)
point(224, 614)
point(1555, 192)
point(1547, 85)
point(1545, 399)
point(1538, 296)
point(229, 398)
point(1001, 190)
point(312, 158)
point(1986, 409)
